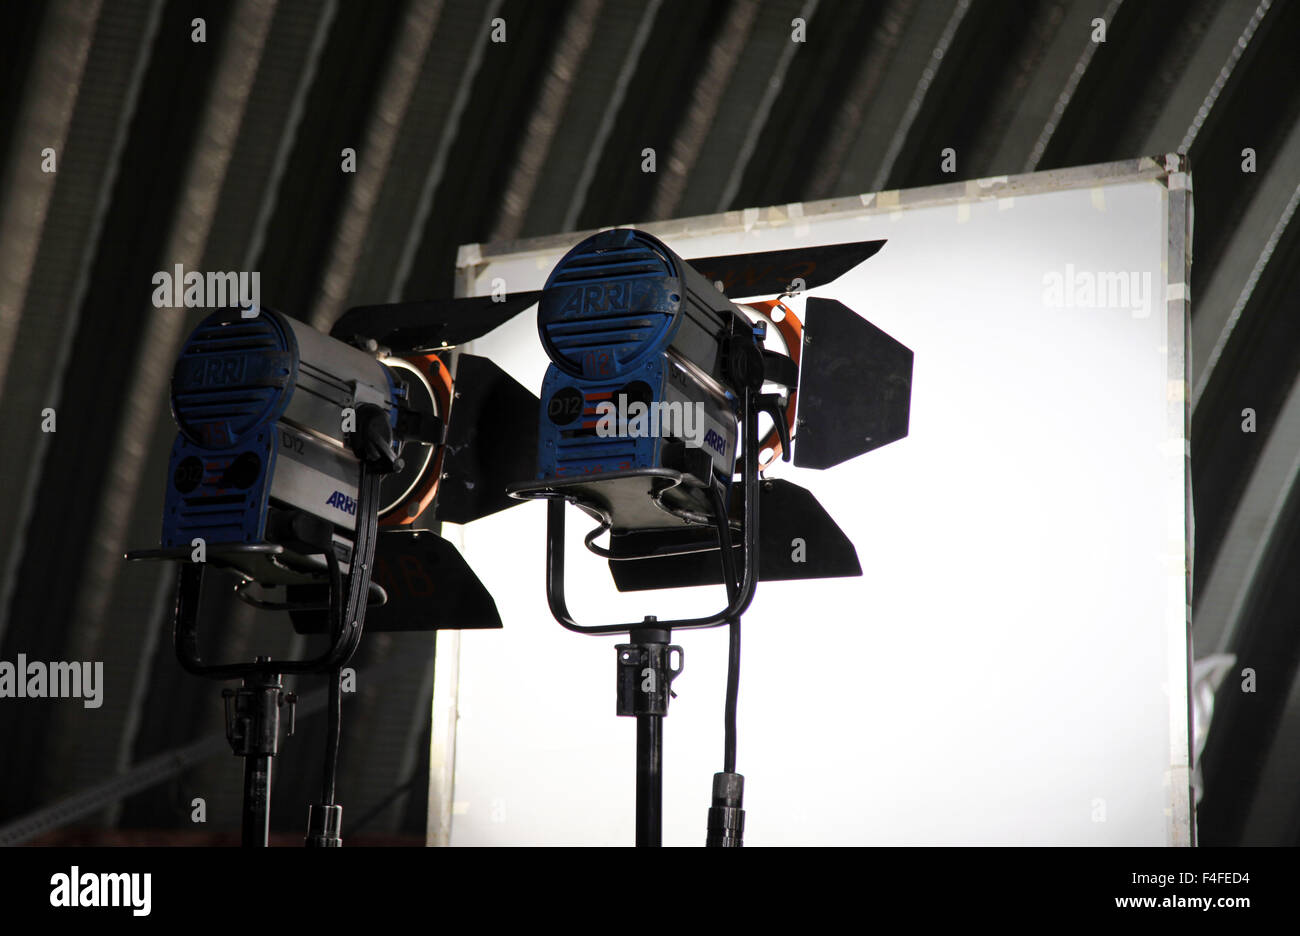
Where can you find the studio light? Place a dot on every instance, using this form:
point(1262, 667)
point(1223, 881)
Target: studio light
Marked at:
point(639, 339)
point(309, 467)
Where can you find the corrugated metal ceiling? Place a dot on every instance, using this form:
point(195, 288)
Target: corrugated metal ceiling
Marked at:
point(226, 155)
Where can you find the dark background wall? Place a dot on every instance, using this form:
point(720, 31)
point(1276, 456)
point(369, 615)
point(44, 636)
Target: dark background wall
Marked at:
point(225, 155)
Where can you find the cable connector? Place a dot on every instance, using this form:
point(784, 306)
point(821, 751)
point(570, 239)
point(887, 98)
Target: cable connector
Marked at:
point(726, 817)
point(324, 826)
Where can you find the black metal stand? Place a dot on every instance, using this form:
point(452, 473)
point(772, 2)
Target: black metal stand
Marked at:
point(645, 676)
point(253, 710)
point(644, 673)
point(253, 730)
point(649, 780)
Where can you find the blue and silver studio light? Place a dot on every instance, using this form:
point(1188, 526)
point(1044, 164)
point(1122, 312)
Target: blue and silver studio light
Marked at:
point(632, 328)
point(635, 333)
point(262, 456)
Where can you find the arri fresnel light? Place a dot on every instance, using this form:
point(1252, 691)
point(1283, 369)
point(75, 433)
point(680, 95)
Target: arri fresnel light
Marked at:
point(649, 422)
point(311, 469)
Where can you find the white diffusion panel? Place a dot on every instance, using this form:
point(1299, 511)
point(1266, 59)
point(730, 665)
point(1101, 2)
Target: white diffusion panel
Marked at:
point(1011, 665)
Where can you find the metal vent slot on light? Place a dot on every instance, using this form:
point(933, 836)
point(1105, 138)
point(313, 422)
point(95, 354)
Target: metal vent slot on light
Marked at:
point(627, 263)
point(203, 406)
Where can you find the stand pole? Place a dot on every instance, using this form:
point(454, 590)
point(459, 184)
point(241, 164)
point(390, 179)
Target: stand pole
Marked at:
point(253, 730)
point(649, 780)
point(645, 676)
point(257, 801)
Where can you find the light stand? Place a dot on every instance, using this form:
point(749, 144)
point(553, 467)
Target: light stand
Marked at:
point(644, 666)
point(253, 710)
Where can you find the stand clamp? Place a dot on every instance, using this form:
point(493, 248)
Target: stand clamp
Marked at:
point(645, 675)
point(253, 730)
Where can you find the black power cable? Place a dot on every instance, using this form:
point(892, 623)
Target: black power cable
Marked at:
point(334, 707)
point(726, 825)
point(733, 692)
point(324, 820)
point(733, 638)
point(334, 710)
